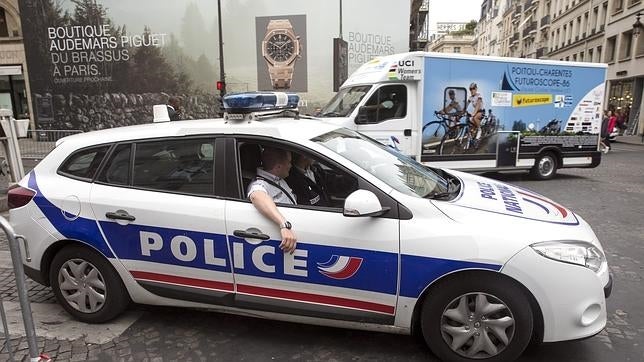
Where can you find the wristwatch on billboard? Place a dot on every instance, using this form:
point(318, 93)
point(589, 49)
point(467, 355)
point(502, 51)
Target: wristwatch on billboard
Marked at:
point(281, 48)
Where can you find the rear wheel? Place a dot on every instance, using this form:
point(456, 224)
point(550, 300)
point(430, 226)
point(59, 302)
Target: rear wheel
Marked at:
point(87, 285)
point(545, 167)
point(486, 318)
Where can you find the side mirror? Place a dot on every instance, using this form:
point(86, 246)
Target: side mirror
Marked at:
point(363, 203)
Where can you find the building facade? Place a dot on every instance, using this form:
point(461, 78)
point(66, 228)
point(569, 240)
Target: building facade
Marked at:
point(452, 44)
point(14, 85)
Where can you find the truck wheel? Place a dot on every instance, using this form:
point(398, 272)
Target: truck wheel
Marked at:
point(87, 285)
point(477, 319)
point(545, 167)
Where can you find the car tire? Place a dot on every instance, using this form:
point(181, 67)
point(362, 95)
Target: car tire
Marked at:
point(86, 285)
point(545, 166)
point(490, 315)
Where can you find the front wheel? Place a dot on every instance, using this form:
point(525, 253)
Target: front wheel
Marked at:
point(86, 285)
point(486, 318)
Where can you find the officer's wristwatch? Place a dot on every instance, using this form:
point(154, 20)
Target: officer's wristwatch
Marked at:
point(286, 225)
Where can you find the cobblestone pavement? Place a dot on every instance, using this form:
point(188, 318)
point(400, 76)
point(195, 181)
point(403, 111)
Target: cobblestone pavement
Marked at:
point(610, 197)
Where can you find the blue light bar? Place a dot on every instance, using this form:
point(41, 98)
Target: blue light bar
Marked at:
point(259, 101)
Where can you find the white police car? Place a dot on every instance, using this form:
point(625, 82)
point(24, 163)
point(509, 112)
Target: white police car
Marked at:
point(157, 214)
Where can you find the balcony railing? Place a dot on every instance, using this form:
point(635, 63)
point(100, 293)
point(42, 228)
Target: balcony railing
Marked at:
point(541, 52)
point(514, 38)
point(530, 28)
point(544, 21)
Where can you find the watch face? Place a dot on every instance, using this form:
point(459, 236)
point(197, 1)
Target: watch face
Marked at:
point(280, 47)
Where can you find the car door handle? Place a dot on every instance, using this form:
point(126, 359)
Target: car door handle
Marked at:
point(119, 215)
point(250, 235)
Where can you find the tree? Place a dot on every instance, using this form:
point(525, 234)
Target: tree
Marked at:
point(469, 29)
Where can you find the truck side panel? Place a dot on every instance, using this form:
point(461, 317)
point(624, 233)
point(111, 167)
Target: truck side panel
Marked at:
point(529, 108)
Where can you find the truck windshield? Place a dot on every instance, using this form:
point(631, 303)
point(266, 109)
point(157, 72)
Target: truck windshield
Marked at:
point(345, 101)
point(398, 171)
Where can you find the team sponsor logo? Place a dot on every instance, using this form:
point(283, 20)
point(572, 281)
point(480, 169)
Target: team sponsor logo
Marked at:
point(340, 267)
point(528, 100)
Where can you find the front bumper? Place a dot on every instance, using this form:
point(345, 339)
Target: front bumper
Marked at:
point(572, 298)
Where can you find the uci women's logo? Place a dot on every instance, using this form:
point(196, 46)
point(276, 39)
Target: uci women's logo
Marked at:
point(406, 63)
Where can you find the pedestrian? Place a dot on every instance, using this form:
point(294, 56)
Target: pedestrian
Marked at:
point(608, 124)
point(174, 109)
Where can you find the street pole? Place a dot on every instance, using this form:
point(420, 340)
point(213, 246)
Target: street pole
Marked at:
point(222, 74)
point(340, 19)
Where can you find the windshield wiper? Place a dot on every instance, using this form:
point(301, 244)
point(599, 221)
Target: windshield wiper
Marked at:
point(438, 195)
point(331, 114)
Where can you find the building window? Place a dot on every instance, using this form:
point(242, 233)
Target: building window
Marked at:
point(603, 16)
point(590, 55)
point(4, 29)
point(595, 18)
point(574, 57)
point(618, 5)
point(457, 49)
point(581, 56)
point(610, 49)
point(640, 46)
point(599, 54)
point(626, 44)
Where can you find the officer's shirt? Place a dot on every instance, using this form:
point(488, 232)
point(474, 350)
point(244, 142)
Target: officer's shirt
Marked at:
point(278, 195)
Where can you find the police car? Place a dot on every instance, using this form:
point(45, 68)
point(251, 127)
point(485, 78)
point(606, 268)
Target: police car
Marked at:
point(158, 214)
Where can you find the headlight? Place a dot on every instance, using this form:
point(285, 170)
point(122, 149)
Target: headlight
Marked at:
point(573, 252)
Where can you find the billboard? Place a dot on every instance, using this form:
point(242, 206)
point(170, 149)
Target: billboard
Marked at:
point(303, 34)
point(104, 63)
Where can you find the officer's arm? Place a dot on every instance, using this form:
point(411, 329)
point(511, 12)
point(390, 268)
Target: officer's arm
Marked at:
point(266, 206)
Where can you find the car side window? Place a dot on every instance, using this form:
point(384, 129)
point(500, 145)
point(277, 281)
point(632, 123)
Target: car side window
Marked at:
point(117, 168)
point(83, 164)
point(184, 166)
point(327, 185)
point(388, 102)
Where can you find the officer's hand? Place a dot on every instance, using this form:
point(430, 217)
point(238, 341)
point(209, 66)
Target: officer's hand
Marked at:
point(289, 240)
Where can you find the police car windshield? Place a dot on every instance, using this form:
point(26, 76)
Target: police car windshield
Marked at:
point(345, 101)
point(396, 170)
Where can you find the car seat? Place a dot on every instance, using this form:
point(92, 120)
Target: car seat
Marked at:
point(250, 158)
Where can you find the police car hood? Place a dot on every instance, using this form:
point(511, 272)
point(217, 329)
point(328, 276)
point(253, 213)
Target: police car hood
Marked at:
point(500, 205)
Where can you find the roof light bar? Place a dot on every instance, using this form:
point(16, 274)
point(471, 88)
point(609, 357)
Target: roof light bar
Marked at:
point(259, 101)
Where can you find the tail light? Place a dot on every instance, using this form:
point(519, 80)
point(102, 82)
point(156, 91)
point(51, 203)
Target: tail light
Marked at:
point(19, 196)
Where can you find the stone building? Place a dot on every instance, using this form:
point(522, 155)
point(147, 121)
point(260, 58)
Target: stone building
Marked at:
point(14, 84)
point(449, 43)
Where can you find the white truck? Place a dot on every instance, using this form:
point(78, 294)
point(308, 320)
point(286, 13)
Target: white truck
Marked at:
point(477, 113)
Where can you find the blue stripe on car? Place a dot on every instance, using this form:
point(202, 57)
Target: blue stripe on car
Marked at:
point(81, 229)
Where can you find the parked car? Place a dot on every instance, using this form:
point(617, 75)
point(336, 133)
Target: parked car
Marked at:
point(158, 214)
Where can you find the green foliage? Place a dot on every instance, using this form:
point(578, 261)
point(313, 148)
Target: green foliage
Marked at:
point(469, 29)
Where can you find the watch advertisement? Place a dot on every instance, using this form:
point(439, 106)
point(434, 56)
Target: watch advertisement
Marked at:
point(105, 63)
point(281, 53)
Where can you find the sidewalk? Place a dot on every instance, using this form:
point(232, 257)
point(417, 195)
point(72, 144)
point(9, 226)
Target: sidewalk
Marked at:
point(631, 140)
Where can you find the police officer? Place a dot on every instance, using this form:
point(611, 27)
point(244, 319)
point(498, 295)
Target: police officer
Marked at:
point(303, 181)
point(269, 188)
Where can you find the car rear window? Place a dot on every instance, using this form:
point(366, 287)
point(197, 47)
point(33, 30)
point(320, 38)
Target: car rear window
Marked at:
point(83, 164)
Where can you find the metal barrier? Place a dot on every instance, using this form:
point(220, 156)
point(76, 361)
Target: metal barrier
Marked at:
point(25, 307)
point(40, 142)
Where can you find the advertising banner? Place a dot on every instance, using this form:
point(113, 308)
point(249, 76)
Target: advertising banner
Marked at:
point(94, 64)
point(487, 106)
point(293, 41)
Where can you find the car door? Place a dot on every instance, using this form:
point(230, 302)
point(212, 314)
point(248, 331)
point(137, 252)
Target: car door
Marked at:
point(343, 268)
point(387, 117)
point(155, 204)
